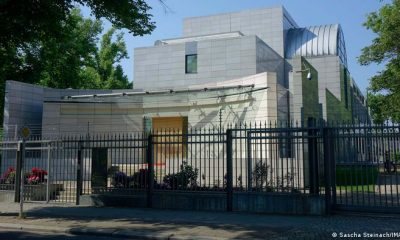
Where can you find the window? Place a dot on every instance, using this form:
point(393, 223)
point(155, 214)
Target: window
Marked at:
point(191, 63)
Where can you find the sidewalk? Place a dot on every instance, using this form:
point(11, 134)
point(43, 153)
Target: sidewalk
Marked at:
point(169, 224)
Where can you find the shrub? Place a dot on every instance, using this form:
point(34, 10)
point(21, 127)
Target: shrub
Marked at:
point(112, 170)
point(356, 174)
point(39, 174)
point(396, 157)
point(35, 176)
point(260, 175)
point(139, 179)
point(185, 178)
point(120, 179)
point(9, 176)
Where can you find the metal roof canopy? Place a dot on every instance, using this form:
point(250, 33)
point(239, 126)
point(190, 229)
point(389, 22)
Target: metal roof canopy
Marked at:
point(159, 92)
point(316, 41)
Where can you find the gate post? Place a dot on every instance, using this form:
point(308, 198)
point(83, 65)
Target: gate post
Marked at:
point(327, 169)
point(313, 156)
point(229, 171)
point(150, 172)
point(79, 173)
point(48, 173)
point(18, 173)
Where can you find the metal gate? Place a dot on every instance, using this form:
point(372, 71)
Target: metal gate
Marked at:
point(367, 162)
point(48, 170)
point(278, 159)
point(355, 167)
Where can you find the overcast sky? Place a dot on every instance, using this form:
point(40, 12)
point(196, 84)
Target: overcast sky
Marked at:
point(349, 13)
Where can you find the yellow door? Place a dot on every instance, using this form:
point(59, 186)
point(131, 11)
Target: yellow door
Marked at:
point(170, 142)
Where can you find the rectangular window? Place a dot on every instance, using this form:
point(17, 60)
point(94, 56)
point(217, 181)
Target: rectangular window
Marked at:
point(191, 63)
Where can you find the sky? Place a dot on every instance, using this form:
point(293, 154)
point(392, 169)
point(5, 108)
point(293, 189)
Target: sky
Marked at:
point(351, 14)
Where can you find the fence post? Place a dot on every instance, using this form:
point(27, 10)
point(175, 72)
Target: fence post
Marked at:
point(79, 173)
point(150, 172)
point(249, 163)
point(313, 156)
point(229, 170)
point(48, 173)
point(22, 178)
point(327, 171)
point(18, 172)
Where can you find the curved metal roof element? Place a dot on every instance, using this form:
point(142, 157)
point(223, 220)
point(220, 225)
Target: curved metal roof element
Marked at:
point(316, 41)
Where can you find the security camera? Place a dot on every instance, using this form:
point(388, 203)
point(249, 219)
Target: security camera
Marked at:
point(309, 77)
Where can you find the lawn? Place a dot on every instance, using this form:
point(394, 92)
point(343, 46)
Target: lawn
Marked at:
point(357, 188)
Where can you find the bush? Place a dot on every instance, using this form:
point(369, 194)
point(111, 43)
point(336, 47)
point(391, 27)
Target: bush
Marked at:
point(260, 175)
point(120, 180)
point(139, 179)
point(396, 157)
point(8, 177)
point(185, 178)
point(35, 176)
point(356, 174)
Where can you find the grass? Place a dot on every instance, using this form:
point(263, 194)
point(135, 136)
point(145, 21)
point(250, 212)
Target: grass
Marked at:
point(357, 188)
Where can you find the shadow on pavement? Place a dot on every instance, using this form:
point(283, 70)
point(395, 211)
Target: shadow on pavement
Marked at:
point(169, 221)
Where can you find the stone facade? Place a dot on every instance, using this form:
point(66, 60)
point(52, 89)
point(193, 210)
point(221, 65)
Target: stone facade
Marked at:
point(263, 48)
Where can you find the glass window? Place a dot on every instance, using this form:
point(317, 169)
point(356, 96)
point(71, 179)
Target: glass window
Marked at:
point(191, 63)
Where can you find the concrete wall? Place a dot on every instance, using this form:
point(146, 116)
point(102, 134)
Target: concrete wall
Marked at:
point(94, 117)
point(163, 67)
point(125, 114)
point(329, 77)
point(29, 105)
point(304, 92)
point(268, 24)
point(333, 80)
point(216, 201)
point(267, 60)
point(7, 196)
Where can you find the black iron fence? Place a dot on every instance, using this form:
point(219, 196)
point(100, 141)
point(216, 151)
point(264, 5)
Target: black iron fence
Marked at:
point(352, 166)
point(367, 161)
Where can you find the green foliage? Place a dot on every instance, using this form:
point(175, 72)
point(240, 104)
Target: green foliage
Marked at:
point(356, 175)
point(384, 100)
point(140, 179)
point(49, 43)
point(26, 21)
point(396, 157)
point(102, 73)
point(75, 59)
point(260, 175)
point(185, 178)
point(311, 108)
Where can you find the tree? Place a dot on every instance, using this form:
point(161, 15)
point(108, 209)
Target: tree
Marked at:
point(384, 98)
point(60, 61)
point(24, 21)
point(30, 28)
point(74, 60)
point(105, 72)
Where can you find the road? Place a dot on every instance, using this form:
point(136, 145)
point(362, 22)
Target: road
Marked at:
point(6, 234)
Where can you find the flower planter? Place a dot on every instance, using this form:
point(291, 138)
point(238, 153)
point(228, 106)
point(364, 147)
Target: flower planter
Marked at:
point(38, 192)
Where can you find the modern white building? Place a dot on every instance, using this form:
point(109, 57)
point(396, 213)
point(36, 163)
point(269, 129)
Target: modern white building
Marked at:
point(247, 66)
point(243, 67)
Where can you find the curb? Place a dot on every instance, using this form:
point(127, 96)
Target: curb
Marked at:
point(113, 232)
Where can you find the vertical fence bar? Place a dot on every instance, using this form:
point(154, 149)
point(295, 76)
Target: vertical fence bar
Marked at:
point(18, 172)
point(79, 173)
point(48, 173)
point(229, 174)
point(249, 163)
point(150, 164)
point(22, 178)
point(327, 172)
point(312, 155)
